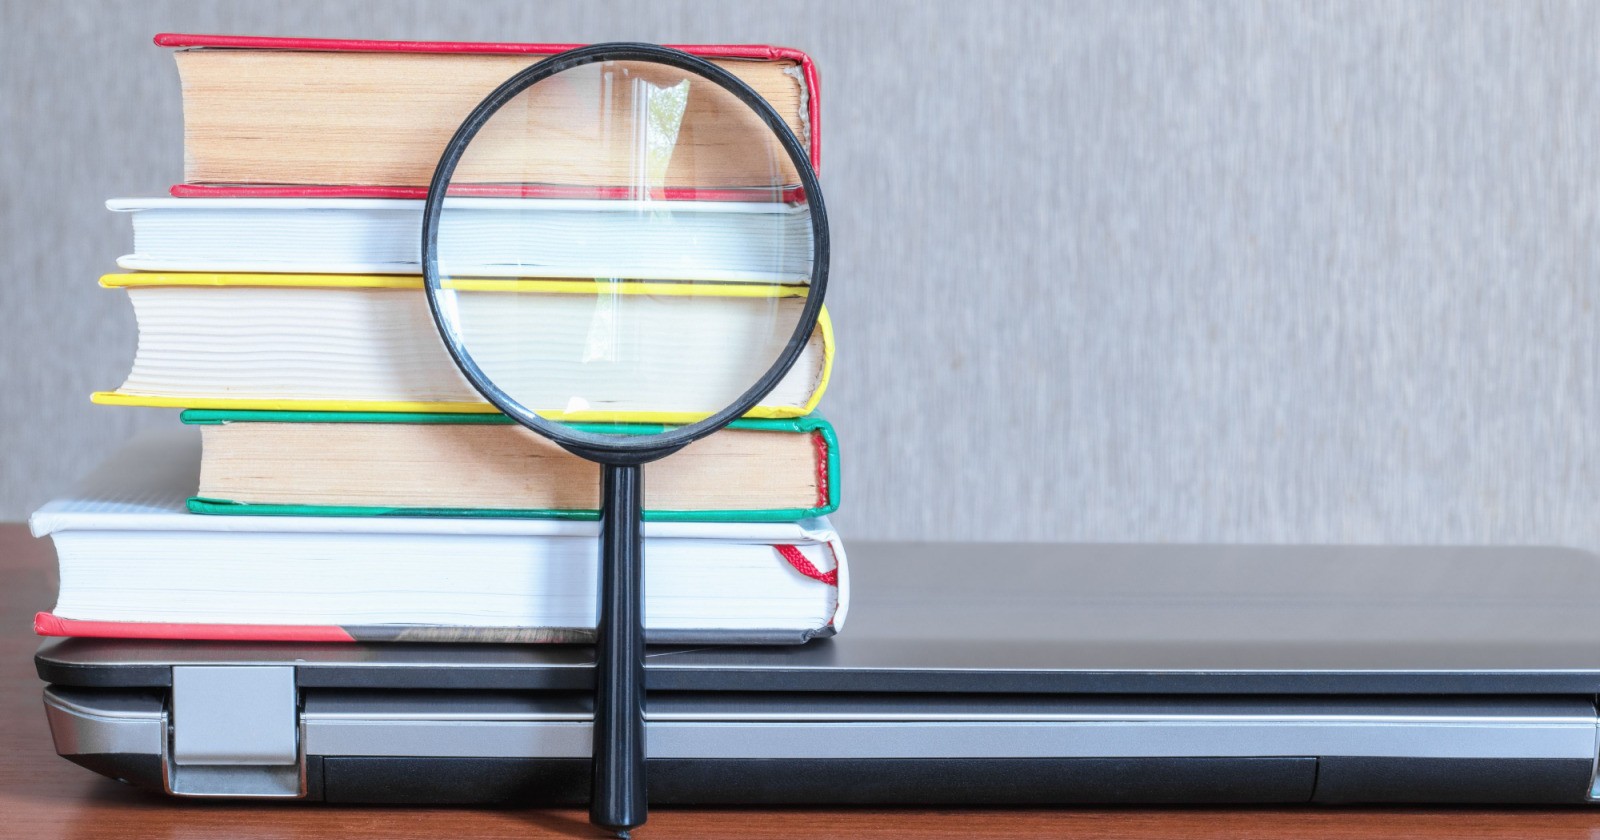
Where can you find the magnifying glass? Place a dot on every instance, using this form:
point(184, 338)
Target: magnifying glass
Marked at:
point(624, 234)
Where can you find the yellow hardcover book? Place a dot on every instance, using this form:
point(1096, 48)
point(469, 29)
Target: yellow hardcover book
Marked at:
point(329, 342)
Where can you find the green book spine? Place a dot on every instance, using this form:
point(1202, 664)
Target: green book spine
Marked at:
point(810, 424)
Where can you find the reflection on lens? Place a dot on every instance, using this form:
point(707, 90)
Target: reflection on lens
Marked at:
point(626, 128)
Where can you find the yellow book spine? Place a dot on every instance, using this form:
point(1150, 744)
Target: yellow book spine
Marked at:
point(671, 418)
point(825, 325)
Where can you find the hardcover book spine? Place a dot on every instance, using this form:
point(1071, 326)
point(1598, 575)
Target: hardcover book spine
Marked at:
point(811, 94)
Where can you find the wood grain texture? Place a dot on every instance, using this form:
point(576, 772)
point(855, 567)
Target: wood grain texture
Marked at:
point(43, 797)
point(1223, 271)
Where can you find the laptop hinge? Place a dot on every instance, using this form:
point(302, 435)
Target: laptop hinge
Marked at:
point(234, 731)
point(1594, 768)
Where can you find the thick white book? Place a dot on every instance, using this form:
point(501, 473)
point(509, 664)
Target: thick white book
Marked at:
point(368, 343)
point(135, 564)
point(731, 241)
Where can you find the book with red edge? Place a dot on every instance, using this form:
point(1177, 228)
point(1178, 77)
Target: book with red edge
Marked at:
point(809, 115)
point(136, 564)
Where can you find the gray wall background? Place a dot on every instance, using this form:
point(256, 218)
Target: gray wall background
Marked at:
point(1305, 272)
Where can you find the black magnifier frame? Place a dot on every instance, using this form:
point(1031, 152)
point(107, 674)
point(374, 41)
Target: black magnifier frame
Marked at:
point(599, 447)
point(618, 793)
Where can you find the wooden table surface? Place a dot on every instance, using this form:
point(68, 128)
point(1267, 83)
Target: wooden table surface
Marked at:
point(43, 796)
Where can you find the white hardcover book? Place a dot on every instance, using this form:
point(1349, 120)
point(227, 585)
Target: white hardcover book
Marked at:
point(731, 241)
point(135, 563)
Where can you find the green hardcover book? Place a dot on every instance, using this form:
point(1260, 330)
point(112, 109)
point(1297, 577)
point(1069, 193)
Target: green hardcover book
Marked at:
point(304, 463)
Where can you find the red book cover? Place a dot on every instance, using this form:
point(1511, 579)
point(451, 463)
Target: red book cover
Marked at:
point(753, 52)
point(48, 624)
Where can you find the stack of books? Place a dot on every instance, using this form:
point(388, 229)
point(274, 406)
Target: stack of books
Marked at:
point(335, 478)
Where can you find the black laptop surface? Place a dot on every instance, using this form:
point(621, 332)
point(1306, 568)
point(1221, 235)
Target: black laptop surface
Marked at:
point(969, 674)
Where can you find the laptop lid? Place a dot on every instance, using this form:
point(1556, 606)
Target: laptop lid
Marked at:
point(1024, 618)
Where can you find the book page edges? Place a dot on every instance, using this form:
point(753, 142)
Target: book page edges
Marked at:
point(760, 412)
point(754, 52)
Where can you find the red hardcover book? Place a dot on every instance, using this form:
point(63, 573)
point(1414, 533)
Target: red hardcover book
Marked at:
point(237, 108)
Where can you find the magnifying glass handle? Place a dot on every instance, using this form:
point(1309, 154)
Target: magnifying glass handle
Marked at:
point(617, 798)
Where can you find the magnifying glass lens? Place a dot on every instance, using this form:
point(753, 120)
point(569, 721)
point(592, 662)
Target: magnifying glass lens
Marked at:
point(625, 242)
